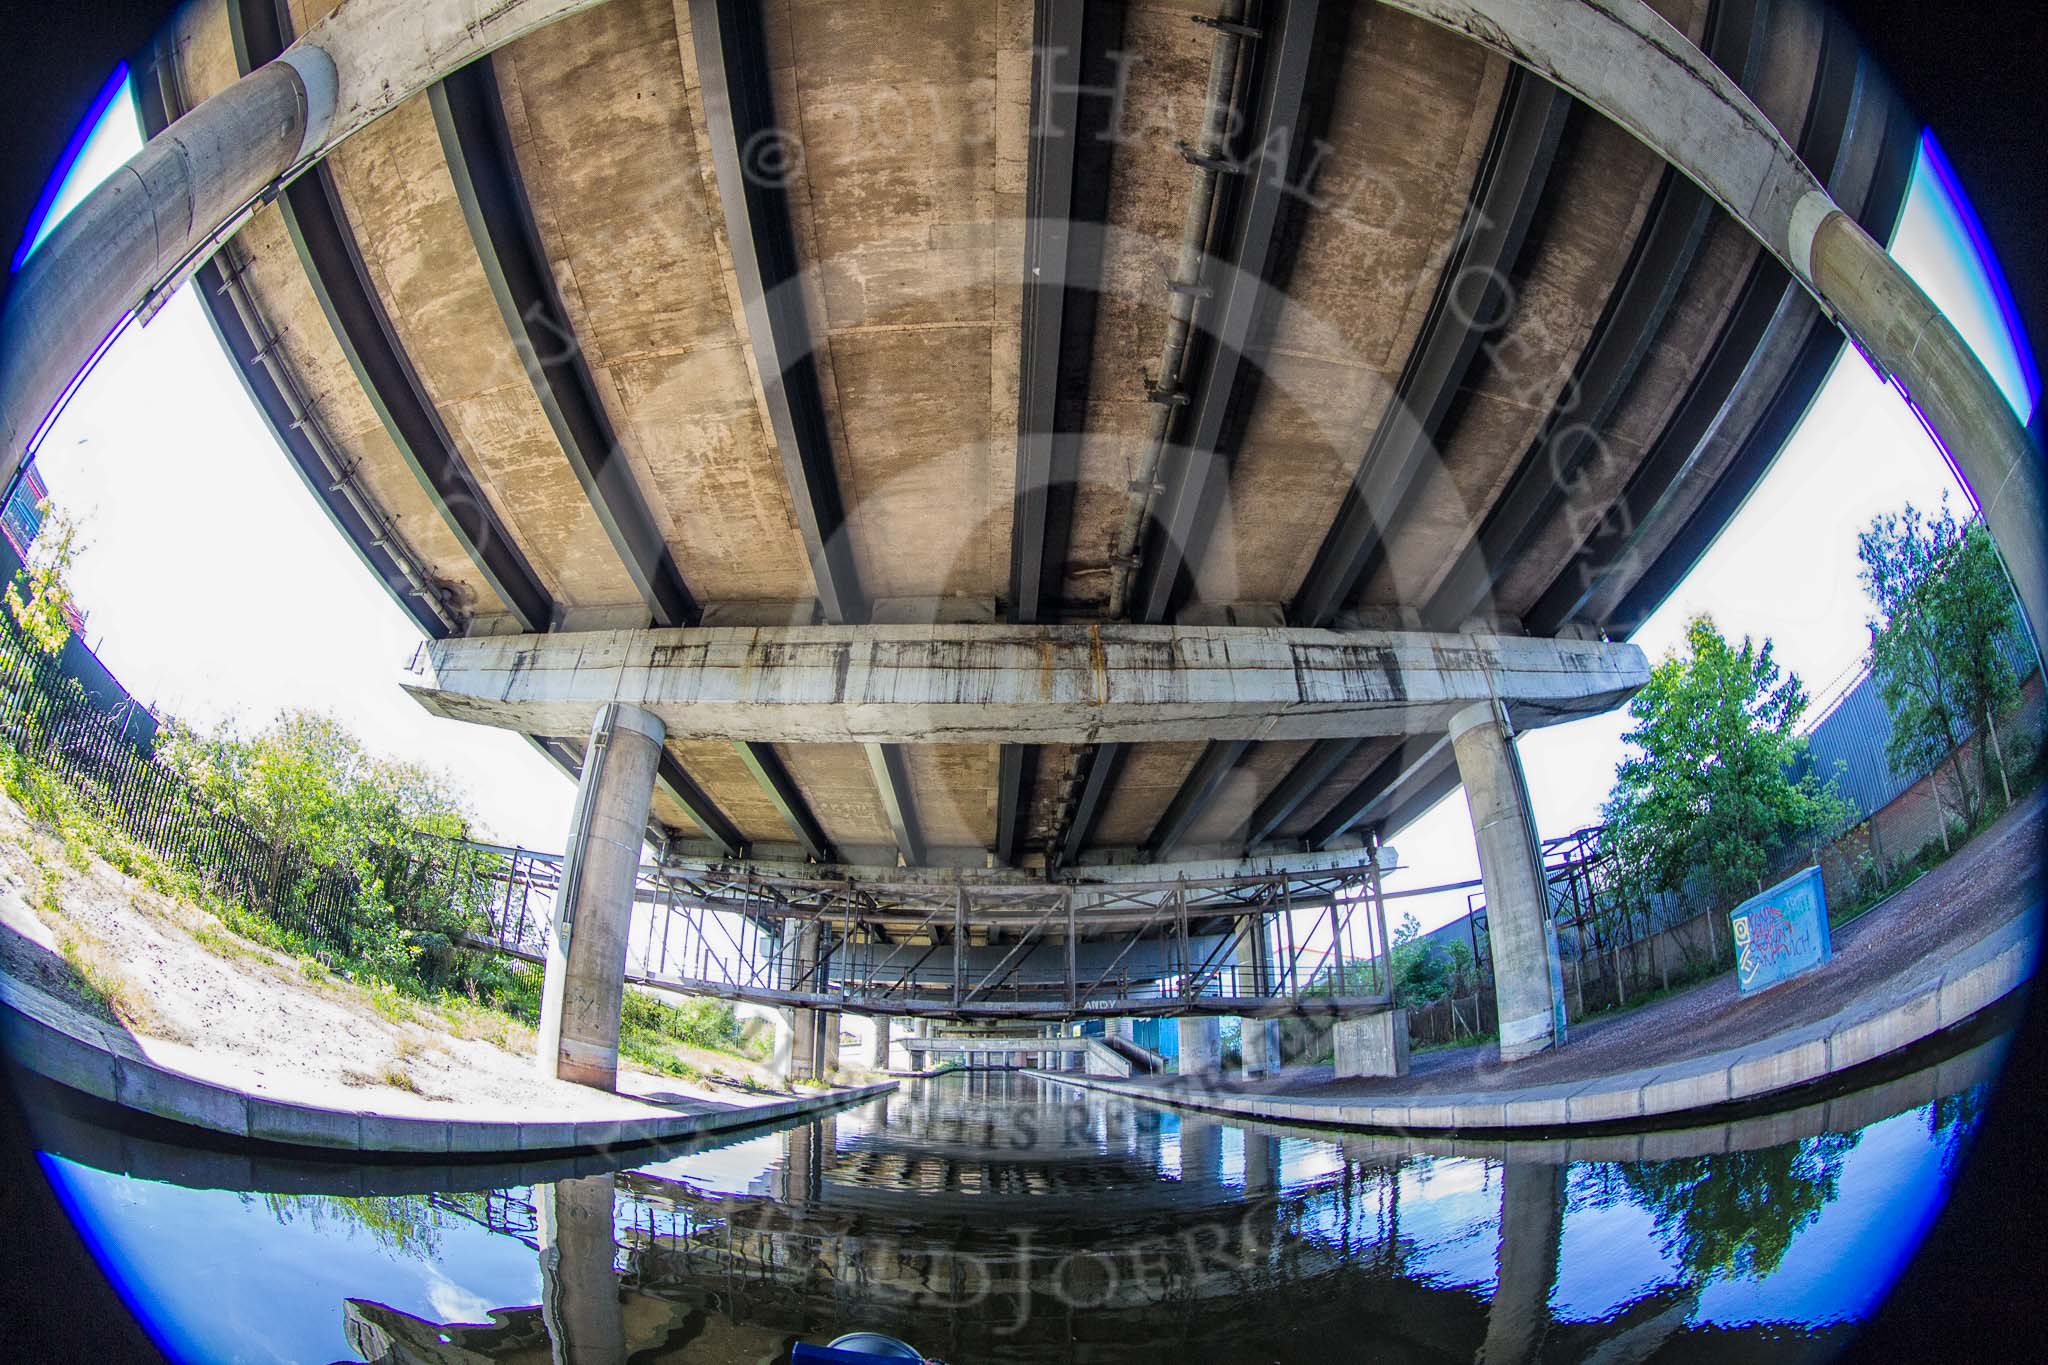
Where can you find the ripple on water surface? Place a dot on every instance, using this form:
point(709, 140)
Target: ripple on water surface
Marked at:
point(997, 1217)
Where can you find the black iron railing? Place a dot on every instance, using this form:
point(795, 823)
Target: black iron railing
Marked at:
point(56, 732)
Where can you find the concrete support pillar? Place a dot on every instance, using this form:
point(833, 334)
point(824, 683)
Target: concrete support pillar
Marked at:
point(881, 1053)
point(1259, 1044)
point(1528, 982)
point(1531, 1222)
point(1201, 1045)
point(1255, 958)
point(1372, 1044)
point(814, 1034)
point(579, 1291)
point(586, 971)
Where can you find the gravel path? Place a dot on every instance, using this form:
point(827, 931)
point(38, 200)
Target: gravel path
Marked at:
point(1993, 880)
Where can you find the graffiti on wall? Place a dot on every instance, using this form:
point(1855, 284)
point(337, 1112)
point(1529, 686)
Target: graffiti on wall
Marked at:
point(1781, 933)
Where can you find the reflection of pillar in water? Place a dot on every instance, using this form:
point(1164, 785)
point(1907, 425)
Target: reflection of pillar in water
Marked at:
point(579, 1291)
point(803, 1160)
point(1531, 1221)
point(1261, 1164)
point(1201, 1150)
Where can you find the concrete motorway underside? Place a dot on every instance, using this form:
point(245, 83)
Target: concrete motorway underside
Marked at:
point(1108, 342)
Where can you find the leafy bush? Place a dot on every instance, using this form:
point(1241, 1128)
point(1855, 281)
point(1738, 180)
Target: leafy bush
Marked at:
point(699, 1023)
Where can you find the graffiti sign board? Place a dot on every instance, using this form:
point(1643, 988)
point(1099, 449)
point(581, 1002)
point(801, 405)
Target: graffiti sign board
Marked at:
point(1781, 933)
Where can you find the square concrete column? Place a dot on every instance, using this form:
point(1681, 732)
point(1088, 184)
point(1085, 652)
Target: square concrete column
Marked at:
point(828, 1044)
point(586, 971)
point(1259, 1045)
point(1372, 1044)
point(1528, 982)
point(1201, 1045)
point(814, 1034)
point(881, 1055)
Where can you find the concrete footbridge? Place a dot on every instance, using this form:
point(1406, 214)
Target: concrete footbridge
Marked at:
point(1016, 504)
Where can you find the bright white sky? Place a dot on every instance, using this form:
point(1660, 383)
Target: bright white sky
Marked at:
point(216, 588)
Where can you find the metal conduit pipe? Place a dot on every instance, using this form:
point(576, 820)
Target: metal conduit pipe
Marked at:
point(1183, 291)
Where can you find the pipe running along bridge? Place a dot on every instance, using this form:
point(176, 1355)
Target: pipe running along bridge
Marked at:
point(1017, 502)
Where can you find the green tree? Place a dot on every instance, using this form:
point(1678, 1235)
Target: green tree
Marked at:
point(40, 597)
point(1944, 614)
point(1419, 972)
point(1704, 793)
point(306, 781)
point(1737, 1212)
point(307, 785)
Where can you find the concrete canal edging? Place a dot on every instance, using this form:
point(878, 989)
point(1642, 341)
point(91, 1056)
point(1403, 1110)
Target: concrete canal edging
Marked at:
point(1975, 980)
point(40, 1039)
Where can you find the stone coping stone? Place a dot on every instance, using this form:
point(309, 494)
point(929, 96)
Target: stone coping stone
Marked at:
point(44, 1037)
point(1971, 982)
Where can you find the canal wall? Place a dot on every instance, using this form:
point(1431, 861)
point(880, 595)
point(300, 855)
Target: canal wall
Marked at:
point(1884, 1024)
point(55, 1042)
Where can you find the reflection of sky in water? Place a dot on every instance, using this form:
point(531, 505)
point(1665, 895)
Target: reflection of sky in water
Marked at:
point(218, 1275)
point(1892, 1183)
point(738, 1166)
point(1450, 1214)
point(230, 1276)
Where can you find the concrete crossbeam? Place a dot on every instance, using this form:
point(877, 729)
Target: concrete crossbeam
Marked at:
point(984, 684)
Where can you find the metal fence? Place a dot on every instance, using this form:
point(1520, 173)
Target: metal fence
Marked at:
point(53, 727)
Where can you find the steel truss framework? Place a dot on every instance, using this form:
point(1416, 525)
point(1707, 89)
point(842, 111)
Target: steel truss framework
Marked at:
point(1279, 943)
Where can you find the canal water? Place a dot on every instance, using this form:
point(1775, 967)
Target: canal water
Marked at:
point(998, 1217)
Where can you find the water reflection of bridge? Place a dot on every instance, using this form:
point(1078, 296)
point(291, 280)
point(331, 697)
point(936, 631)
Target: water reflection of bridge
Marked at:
point(992, 1226)
point(1096, 1233)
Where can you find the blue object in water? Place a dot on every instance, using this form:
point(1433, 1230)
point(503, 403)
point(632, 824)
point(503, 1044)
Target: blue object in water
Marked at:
point(1781, 933)
point(855, 1348)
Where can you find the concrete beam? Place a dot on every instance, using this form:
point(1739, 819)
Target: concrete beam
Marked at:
point(746, 139)
point(1018, 684)
point(1619, 560)
point(1627, 62)
point(470, 117)
point(1622, 339)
